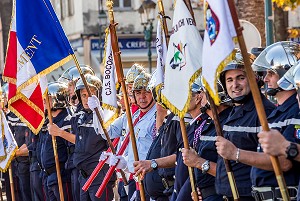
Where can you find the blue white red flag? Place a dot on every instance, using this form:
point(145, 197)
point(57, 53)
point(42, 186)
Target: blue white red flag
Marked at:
point(37, 45)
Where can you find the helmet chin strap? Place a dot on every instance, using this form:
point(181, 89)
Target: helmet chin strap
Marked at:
point(272, 91)
point(146, 106)
point(205, 107)
point(139, 105)
point(87, 110)
point(241, 99)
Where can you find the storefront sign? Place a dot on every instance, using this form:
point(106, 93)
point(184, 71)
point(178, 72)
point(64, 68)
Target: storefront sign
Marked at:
point(128, 43)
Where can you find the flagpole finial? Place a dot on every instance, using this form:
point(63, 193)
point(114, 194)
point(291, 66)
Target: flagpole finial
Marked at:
point(109, 5)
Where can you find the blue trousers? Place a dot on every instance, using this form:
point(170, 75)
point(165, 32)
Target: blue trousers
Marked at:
point(214, 198)
point(298, 194)
point(23, 175)
point(132, 189)
point(184, 193)
point(36, 183)
point(89, 195)
point(53, 192)
point(122, 192)
point(45, 187)
point(75, 184)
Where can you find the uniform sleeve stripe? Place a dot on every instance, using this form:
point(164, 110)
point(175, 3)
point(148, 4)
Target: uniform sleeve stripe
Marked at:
point(66, 127)
point(245, 129)
point(248, 129)
point(87, 125)
point(286, 122)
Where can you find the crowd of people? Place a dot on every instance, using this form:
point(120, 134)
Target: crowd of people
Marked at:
point(163, 160)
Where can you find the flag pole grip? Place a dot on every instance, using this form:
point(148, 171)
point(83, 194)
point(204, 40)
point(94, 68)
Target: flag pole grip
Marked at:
point(257, 98)
point(112, 168)
point(54, 145)
point(98, 168)
point(190, 169)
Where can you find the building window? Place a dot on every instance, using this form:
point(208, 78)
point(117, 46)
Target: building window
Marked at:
point(66, 8)
point(122, 4)
point(71, 7)
point(63, 13)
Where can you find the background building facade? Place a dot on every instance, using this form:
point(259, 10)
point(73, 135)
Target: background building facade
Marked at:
point(84, 23)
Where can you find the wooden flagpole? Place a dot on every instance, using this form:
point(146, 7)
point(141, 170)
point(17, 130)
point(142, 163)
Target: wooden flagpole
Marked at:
point(234, 190)
point(257, 98)
point(120, 75)
point(190, 169)
point(164, 21)
point(110, 144)
point(183, 127)
point(60, 187)
point(11, 182)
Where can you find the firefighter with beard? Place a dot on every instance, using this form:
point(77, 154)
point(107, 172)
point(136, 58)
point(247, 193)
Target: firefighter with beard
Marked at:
point(158, 169)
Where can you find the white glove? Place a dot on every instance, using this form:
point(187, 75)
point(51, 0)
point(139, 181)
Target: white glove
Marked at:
point(105, 155)
point(117, 160)
point(93, 102)
point(97, 126)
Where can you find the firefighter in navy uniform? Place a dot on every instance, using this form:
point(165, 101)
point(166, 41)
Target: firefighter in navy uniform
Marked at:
point(169, 142)
point(58, 102)
point(182, 186)
point(276, 60)
point(70, 77)
point(203, 157)
point(118, 128)
point(42, 136)
point(240, 129)
point(273, 142)
point(21, 162)
point(88, 145)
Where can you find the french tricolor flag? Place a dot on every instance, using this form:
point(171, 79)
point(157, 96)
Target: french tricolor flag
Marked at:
point(37, 45)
